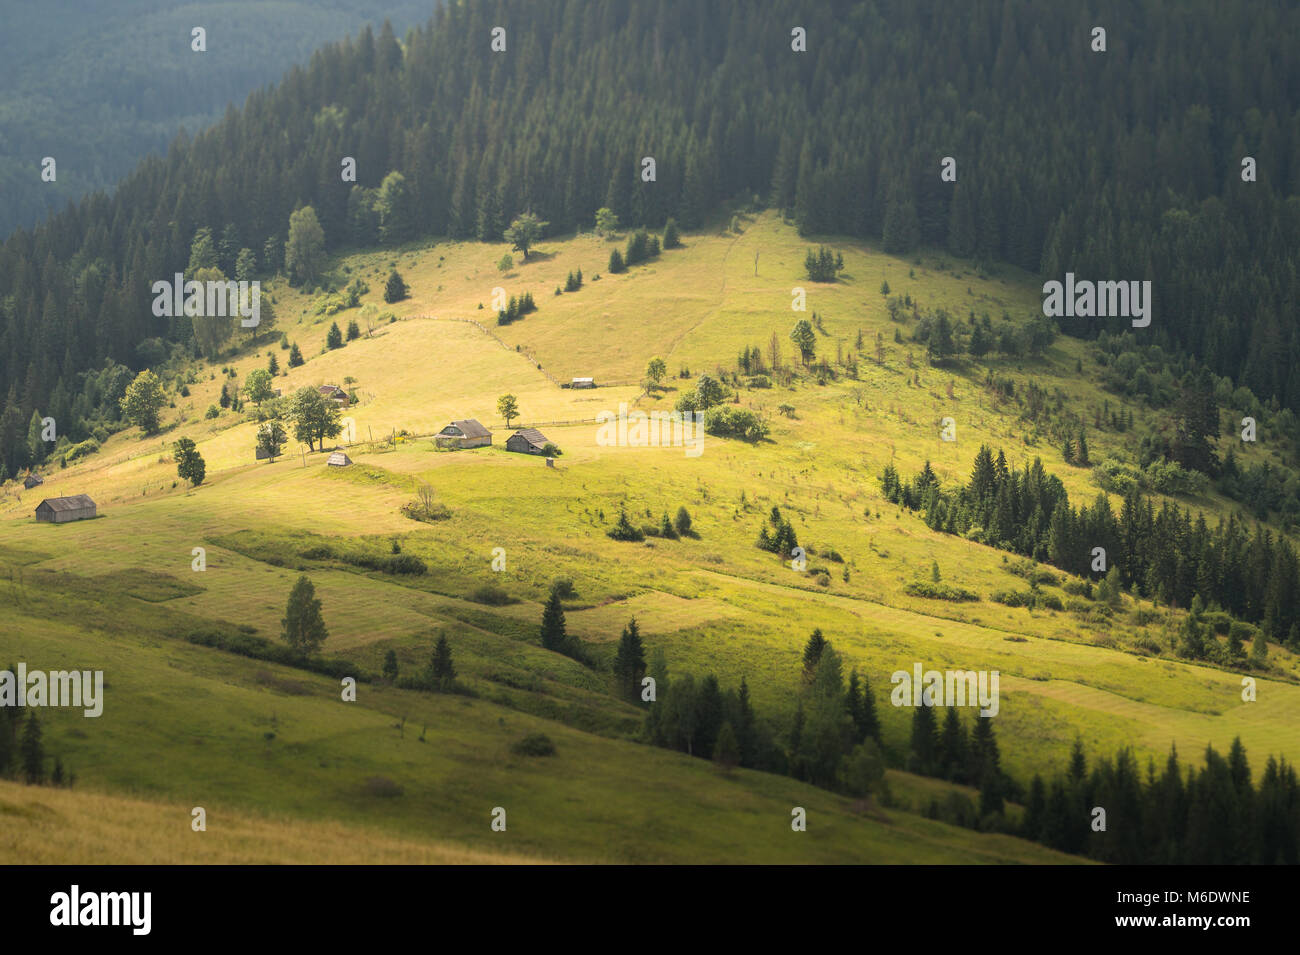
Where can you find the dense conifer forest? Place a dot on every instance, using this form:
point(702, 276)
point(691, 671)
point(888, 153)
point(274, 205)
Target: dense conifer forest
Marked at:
point(1124, 165)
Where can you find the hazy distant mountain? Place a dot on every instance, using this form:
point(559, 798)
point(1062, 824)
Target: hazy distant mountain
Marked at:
point(98, 85)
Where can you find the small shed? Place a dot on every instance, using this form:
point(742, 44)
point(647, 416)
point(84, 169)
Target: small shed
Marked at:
point(583, 383)
point(464, 433)
point(338, 459)
point(32, 480)
point(527, 441)
point(61, 510)
point(335, 394)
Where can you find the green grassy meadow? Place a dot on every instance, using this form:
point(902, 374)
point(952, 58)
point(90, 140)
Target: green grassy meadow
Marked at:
point(185, 725)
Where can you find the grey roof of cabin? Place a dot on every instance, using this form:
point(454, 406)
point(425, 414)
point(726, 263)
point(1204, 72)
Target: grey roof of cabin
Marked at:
point(532, 436)
point(74, 503)
point(471, 428)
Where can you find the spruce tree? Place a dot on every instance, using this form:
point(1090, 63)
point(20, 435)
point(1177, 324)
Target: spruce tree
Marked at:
point(1259, 651)
point(334, 337)
point(442, 671)
point(629, 661)
point(812, 653)
point(953, 756)
point(922, 754)
point(983, 751)
point(33, 751)
point(302, 626)
point(395, 289)
point(554, 635)
point(390, 666)
point(295, 356)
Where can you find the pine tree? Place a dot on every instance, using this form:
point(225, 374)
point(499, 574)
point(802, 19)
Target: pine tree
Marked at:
point(390, 666)
point(1081, 452)
point(33, 751)
point(395, 288)
point(671, 238)
point(295, 356)
point(442, 671)
point(554, 635)
point(812, 653)
point(629, 662)
point(990, 793)
point(334, 337)
point(682, 523)
point(984, 754)
point(1259, 651)
point(953, 754)
point(273, 365)
point(302, 626)
point(924, 745)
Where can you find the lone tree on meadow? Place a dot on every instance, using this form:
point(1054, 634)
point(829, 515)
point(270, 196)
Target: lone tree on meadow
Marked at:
point(656, 370)
point(270, 439)
point(391, 668)
point(258, 385)
point(142, 401)
point(805, 339)
point(554, 635)
point(303, 626)
point(442, 671)
point(395, 289)
point(314, 418)
point(524, 233)
point(189, 463)
point(508, 408)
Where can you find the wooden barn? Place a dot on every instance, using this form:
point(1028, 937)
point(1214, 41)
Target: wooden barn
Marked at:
point(60, 510)
point(527, 441)
point(335, 394)
point(32, 480)
point(465, 433)
point(583, 383)
point(338, 459)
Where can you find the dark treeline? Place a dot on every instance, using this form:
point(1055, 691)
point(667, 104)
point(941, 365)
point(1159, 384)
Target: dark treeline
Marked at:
point(22, 749)
point(1214, 814)
point(1211, 816)
point(846, 137)
point(1164, 553)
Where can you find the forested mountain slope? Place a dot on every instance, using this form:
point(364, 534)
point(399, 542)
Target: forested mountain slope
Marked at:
point(97, 85)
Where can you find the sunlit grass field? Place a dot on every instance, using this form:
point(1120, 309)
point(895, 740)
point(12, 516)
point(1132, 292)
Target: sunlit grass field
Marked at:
point(186, 725)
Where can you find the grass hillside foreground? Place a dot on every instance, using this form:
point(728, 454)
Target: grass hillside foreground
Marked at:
point(287, 770)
